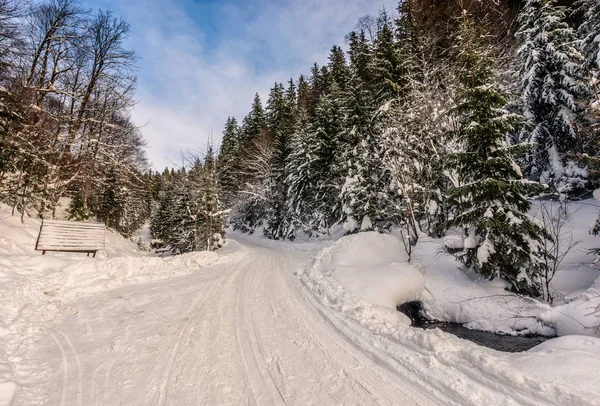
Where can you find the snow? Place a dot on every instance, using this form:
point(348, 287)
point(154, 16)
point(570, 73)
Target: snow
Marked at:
point(469, 243)
point(35, 289)
point(485, 250)
point(580, 316)
point(541, 370)
point(366, 223)
point(237, 327)
point(566, 360)
point(372, 266)
point(452, 294)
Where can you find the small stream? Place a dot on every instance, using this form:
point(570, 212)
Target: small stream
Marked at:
point(500, 342)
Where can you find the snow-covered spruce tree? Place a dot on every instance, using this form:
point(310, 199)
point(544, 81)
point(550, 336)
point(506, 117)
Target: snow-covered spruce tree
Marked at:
point(281, 114)
point(501, 239)
point(549, 64)
point(338, 68)
point(162, 220)
point(254, 123)
point(189, 215)
point(360, 56)
point(363, 194)
point(328, 165)
point(302, 176)
point(210, 211)
point(386, 67)
point(589, 32)
point(228, 161)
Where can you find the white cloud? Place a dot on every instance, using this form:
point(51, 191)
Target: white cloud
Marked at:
point(191, 82)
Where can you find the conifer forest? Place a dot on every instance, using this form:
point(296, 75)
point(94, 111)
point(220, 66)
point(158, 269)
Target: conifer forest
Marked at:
point(437, 115)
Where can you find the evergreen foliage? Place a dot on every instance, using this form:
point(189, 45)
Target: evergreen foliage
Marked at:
point(228, 159)
point(502, 240)
point(550, 63)
point(189, 215)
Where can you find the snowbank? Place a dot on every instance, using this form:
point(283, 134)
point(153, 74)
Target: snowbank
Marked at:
point(581, 316)
point(499, 371)
point(365, 276)
point(454, 295)
point(375, 267)
point(571, 360)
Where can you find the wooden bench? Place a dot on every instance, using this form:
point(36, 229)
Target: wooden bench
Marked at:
point(70, 236)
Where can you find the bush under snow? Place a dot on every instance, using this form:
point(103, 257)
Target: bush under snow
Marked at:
point(365, 275)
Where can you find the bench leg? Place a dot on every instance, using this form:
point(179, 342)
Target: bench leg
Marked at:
point(43, 252)
point(94, 256)
point(88, 254)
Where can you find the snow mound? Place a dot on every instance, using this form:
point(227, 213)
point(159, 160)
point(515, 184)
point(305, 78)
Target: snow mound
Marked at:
point(374, 267)
point(565, 361)
point(365, 276)
point(588, 345)
point(580, 316)
point(456, 295)
point(372, 251)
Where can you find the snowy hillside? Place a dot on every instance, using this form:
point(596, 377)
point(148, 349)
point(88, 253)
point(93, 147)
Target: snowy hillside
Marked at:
point(35, 288)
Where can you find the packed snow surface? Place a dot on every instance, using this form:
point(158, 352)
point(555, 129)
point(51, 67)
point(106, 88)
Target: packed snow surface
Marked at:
point(256, 323)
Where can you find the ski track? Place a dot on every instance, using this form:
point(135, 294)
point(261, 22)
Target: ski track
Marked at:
point(244, 331)
point(72, 388)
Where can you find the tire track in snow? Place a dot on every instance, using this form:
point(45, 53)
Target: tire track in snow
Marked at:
point(70, 394)
point(258, 353)
point(199, 301)
point(102, 386)
point(327, 337)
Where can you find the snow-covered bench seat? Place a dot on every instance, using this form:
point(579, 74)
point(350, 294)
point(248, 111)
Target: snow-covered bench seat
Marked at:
point(70, 236)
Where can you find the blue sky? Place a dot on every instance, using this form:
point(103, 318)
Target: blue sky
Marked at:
point(202, 60)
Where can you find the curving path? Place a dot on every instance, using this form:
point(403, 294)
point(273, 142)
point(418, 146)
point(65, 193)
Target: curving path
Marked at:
point(241, 332)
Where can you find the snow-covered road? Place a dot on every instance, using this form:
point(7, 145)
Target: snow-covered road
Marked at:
point(237, 333)
point(245, 330)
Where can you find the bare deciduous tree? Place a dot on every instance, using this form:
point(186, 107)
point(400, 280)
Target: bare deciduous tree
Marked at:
point(557, 245)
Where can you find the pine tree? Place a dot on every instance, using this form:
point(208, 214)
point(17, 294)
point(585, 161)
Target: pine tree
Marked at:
point(229, 155)
point(111, 202)
point(386, 65)
point(303, 99)
point(590, 48)
point(279, 221)
point(302, 176)
point(254, 123)
point(502, 240)
point(364, 185)
point(360, 56)
point(590, 33)
point(162, 219)
point(328, 128)
point(338, 68)
point(210, 211)
point(549, 64)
